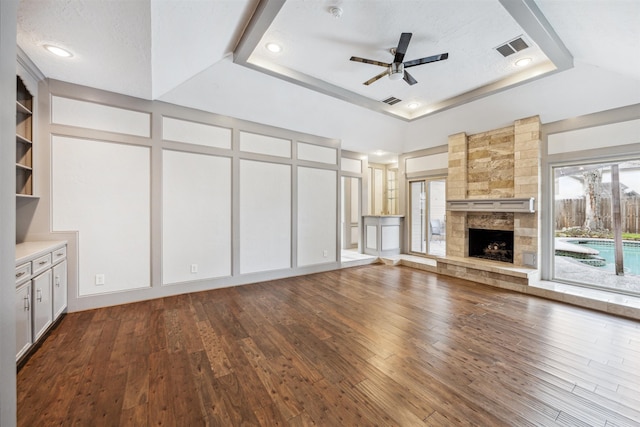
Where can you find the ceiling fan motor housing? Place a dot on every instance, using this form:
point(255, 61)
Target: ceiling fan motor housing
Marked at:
point(396, 71)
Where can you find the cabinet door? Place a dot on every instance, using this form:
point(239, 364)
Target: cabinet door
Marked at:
point(42, 307)
point(23, 319)
point(59, 289)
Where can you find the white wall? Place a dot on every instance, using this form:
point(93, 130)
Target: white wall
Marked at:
point(250, 95)
point(102, 189)
point(317, 215)
point(610, 135)
point(265, 216)
point(73, 112)
point(427, 163)
point(195, 133)
point(196, 216)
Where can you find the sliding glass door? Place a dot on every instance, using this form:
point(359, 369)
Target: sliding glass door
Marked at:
point(427, 220)
point(597, 225)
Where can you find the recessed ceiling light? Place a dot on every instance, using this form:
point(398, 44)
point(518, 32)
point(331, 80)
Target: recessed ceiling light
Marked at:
point(58, 51)
point(413, 105)
point(522, 62)
point(274, 47)
point(378, 152)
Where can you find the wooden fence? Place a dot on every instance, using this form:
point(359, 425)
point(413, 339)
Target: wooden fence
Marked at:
point(571, 213)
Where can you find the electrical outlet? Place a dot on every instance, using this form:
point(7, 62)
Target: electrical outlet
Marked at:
point(194, 268)
point(100, 279)
point(325, 253)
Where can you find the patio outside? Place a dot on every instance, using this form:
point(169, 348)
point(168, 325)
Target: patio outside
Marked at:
point(593, 203)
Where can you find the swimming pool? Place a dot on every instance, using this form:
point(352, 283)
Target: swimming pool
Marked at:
point(630, 254)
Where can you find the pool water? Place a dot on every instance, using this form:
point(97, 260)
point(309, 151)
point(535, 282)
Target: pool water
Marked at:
point(630, 255)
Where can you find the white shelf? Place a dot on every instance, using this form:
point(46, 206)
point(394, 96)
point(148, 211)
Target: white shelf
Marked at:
point(22, 109)
point(22, 139)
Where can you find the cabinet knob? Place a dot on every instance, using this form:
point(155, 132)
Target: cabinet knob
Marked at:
point(42, 262)
point(20, 274)
point(27, 306)
point(57, 280)
point(39, 295)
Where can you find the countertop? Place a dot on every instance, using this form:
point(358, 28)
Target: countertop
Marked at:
point(29, 250)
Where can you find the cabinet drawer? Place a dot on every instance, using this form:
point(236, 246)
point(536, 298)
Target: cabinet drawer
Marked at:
point(58, 255)
point(23, 272)
point(41, 264)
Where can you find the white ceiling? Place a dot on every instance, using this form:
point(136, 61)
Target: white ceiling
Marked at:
point(180, 51)
point(317, 47)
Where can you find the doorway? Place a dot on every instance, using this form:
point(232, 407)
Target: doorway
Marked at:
point(427, 222)
point(350, 217)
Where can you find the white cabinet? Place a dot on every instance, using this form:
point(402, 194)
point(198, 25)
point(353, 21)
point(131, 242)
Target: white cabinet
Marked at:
point(59, 288)
point(42, 304)
point(41, 290)
point(23, 319)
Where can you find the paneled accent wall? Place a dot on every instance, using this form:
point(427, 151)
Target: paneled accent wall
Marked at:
point(157, 199)
point(91, 115)
point(196, 217)
point(102, 189)
point(265, 216)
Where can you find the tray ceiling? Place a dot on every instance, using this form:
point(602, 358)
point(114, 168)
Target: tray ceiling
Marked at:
point(316, 47)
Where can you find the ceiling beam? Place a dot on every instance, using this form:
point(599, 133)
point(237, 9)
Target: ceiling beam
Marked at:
point(527, 14)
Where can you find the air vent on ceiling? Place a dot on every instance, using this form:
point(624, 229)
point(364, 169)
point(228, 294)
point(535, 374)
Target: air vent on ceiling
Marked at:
point(512, 47)
point(391, 100)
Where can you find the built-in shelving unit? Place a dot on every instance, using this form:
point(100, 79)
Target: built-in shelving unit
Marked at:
point(392, 191)
point(24, 140)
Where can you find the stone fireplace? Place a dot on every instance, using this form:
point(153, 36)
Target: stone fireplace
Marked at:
point(493, 183)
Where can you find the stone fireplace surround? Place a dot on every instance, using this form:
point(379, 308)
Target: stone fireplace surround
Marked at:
point(502, 164)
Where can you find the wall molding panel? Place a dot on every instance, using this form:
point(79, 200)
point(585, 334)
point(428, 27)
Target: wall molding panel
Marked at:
point(205, 201)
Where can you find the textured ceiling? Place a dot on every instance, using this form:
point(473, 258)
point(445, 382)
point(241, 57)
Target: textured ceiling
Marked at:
point(317, 47)
point(179, 51)
point(140, 48)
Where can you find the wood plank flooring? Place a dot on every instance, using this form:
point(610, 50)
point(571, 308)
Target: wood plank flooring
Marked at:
point(372, 345)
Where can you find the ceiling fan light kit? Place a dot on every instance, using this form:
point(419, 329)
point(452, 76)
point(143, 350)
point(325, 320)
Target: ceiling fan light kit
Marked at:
point(396, 69)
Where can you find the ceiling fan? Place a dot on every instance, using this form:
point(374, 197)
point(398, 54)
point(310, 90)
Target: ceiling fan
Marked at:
point(396, 70)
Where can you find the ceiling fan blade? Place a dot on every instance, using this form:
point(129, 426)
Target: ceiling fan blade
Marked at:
point(376, 78)
point(409, 78)
point(426, 60)
point(369, 61)
point(403, 44)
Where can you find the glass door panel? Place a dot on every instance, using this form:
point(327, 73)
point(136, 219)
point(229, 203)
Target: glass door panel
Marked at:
point(418, 229)
point(437, 209)
point(597, 225)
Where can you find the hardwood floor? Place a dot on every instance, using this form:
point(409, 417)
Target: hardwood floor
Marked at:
point(373, 345)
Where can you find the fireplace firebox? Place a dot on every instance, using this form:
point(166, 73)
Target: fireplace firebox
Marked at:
point(495, 245)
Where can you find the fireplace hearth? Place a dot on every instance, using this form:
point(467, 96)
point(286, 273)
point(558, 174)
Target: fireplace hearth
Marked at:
point(495, 245)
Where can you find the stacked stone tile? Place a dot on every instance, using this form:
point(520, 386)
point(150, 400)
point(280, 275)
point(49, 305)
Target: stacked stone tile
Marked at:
point(502, 163)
